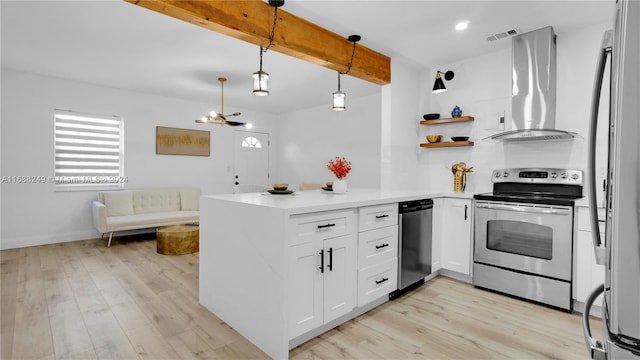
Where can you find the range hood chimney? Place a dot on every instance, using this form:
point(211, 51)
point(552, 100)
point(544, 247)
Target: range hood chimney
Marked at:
point(533, 104)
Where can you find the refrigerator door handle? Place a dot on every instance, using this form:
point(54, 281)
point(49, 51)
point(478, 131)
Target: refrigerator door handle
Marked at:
point(605, 50)
point(595, 347)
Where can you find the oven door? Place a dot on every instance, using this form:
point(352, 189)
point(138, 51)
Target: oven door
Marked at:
point(532, 238)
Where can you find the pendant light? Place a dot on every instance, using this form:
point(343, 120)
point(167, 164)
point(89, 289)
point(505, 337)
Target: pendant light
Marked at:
point(261, 78)
point(339, 98)
point(438, 85)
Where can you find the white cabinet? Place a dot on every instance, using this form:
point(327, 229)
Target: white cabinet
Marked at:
point(588, 274)
point(321, 262)
point(455, 235)
point(377, 251)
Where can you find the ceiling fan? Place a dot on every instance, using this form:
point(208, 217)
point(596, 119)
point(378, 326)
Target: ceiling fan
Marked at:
point(220, 118)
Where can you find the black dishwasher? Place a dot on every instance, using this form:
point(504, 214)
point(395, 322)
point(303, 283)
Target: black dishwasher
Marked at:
point(414, 244)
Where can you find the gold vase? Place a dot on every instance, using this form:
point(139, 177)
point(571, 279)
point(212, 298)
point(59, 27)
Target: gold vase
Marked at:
point(459, 181)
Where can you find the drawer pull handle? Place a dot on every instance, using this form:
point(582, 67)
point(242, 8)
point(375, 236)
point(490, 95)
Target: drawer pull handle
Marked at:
point(325, 226)
point(378, 282)
point(321, 267)
point(330, 266)
point(382, 216)
point(381, 246)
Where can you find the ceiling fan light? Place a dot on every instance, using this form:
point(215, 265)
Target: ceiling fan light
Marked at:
point(260, 83)
point(339, 101)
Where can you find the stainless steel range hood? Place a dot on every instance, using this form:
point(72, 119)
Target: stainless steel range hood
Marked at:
point(533, 104)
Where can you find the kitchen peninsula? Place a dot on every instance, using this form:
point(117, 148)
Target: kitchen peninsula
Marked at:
point(282, 269)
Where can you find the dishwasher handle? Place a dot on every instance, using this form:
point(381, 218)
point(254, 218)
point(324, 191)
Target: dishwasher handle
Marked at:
point(415, 205)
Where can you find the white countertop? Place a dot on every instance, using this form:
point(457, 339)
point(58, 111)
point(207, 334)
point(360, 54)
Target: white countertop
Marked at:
point(320, 200)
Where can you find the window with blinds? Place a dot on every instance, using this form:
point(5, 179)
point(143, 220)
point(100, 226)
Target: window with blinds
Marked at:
point(88, 151)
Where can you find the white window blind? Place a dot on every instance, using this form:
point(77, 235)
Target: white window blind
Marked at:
point(88, 150)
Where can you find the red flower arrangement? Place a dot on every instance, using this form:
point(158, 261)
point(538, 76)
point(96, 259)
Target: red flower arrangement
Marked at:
point(340, 167)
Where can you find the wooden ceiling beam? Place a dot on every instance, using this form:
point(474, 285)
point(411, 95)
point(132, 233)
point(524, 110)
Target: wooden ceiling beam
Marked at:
point(252, 21)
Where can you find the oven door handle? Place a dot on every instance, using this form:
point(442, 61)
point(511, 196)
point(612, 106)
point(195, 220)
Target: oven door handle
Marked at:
point(522, 209)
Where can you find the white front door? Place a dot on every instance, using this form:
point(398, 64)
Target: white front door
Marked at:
point(251, 157)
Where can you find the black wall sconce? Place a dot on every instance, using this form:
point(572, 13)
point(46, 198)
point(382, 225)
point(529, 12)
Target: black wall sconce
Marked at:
point(438, 85)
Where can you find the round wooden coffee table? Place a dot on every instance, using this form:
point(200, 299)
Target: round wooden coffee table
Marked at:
point(178, 239)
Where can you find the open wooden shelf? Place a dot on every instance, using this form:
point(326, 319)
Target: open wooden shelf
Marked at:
point(447, 144)
point(447, 120)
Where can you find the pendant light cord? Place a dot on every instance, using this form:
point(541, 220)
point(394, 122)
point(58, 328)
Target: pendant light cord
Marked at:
point(273, 34)
point(354, 39)
point(353, 52)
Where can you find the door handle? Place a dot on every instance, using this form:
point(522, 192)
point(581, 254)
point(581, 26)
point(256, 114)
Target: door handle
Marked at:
point(595, 347)
point(466, 208)
point(321, 253)
point(605, 50)
point(237, 183)
point(330, 266)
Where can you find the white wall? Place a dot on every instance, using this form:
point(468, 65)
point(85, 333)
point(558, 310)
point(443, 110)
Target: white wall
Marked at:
point(306, 140)
point(35, 214)
point(400, 127)
point(482, 88)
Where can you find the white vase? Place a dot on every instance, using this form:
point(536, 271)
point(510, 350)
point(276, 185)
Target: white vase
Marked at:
point(339, 186)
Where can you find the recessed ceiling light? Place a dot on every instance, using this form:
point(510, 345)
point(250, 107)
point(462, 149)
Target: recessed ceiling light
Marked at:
point(462, 25)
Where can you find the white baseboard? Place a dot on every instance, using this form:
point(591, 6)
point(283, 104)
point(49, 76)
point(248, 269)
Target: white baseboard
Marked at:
point(46, 239)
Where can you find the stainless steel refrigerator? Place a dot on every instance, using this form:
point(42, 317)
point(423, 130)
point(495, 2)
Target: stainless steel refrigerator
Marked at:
point(619, 251)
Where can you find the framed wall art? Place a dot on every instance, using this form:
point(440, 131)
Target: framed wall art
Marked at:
point(175, 141)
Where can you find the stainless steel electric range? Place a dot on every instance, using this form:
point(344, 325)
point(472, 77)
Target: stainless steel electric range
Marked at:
point(524, 234)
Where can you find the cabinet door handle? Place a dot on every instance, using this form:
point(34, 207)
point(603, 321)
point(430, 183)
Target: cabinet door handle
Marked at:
point(466, 208)
point(382, 216)
point(321, 253)
point(381, 246)
point(378, 282)
point(330, 266)
point(325, 226)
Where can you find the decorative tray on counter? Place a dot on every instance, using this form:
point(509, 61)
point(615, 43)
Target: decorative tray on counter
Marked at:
point(281, 192)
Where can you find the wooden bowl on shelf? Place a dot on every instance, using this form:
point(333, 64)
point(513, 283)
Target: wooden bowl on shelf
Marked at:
point(434, 138)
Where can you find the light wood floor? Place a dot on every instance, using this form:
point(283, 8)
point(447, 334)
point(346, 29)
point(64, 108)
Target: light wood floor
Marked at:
point(82, 300)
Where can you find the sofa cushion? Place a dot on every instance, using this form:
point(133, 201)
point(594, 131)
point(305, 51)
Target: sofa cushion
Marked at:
point(190, 199)
point(153, 201)
point(118, 203)
point(139, 221)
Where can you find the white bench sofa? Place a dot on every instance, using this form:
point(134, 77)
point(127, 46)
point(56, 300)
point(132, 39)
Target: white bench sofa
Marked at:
point(139, 209)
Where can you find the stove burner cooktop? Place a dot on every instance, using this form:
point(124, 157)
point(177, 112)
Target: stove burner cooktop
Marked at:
point(535, 186)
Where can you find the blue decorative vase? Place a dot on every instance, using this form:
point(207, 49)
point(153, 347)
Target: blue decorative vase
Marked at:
point(456, 112)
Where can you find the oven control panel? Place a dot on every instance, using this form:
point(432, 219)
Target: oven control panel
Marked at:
point(538, 175)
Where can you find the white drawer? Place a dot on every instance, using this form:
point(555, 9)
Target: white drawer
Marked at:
point(377, 246)
point(377, 216)
point(321, 225)
point(376, 281)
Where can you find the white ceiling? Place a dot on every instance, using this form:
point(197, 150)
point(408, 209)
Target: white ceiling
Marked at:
point(117, 44)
